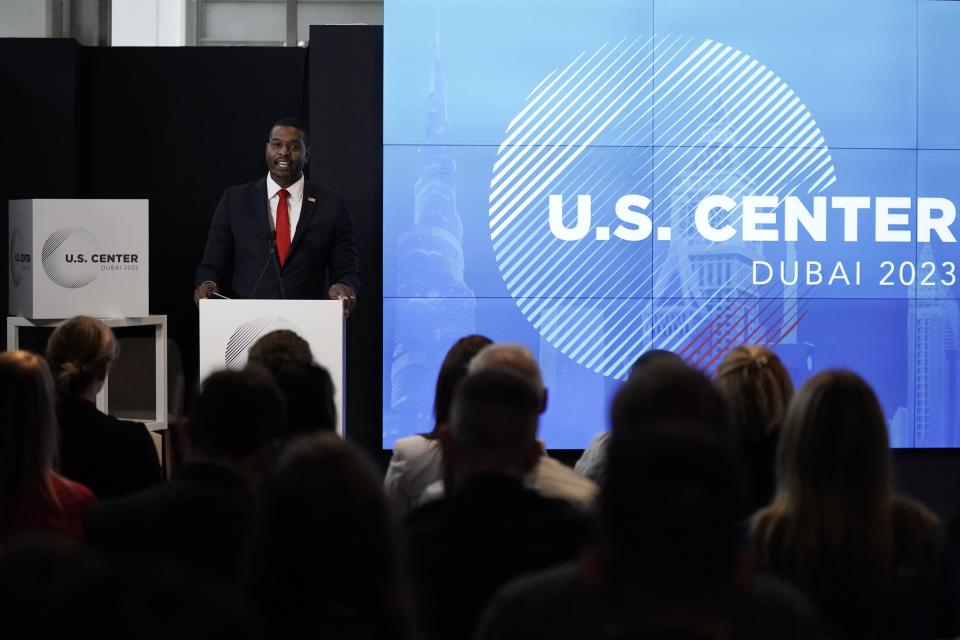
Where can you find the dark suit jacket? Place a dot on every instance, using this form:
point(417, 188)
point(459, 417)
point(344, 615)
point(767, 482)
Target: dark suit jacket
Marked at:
point(198, 520)
point(113, 457)
point(240, 246)
point(465, 546)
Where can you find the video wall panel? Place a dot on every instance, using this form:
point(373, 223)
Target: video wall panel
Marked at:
point(597, 179)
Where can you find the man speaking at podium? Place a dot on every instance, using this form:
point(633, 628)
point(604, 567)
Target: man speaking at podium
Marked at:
point(281, 236)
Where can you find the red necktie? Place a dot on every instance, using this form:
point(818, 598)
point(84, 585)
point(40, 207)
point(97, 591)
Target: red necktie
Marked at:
point(283, 226)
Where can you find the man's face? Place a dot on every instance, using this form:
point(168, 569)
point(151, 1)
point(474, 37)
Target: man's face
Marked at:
point(286, 155)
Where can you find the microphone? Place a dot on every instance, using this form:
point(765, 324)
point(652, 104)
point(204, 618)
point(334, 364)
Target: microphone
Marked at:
point(270, 248)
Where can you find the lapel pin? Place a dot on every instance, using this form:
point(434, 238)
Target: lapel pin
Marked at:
point(311, 199)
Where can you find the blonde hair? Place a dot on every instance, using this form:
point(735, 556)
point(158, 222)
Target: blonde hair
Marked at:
point(80, 352)
point(28, 433)
point(757, 388)
point(829, 529)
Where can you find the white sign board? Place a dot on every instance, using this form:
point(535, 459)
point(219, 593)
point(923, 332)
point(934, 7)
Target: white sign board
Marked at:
point(73, 257)
point(228, 328)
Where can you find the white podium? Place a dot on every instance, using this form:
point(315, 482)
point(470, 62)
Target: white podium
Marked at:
point(228, 328)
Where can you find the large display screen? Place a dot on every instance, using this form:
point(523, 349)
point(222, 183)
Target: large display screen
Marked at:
point(596, 179)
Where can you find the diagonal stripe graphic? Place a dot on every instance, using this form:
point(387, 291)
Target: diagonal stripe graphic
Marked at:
point(724, 124)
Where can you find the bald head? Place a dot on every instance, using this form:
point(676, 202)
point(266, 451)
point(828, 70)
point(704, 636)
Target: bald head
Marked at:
point(515, 358)
point(493, 424)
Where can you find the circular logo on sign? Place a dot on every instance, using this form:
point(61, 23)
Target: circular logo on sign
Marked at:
point(67, 257)
point(594, 187)
point(235, 356)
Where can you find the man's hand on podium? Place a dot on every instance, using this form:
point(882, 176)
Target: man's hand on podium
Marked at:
point(340, 291)
point(205, 290)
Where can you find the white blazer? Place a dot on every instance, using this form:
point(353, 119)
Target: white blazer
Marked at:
point(414, 466)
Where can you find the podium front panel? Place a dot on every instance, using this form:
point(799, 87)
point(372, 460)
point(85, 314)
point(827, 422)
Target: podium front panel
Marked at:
point(228, 328)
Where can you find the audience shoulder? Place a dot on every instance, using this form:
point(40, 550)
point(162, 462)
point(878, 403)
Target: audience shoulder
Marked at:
point(917, 527)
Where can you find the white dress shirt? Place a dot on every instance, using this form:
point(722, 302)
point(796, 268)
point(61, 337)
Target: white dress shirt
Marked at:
point(294, 203)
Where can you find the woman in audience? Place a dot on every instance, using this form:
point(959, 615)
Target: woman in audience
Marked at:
point(415, 463)
point(113, 457)
point(32, 496)
point(324, 558)
point(869, 559)
point(757, 389)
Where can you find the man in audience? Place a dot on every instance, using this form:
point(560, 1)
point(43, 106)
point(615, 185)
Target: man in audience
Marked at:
point(199, 519)
point(669, 563)
point(549, 477)
point(279, 345)
point(308, 391)
point(306, 386)
point(490, 528)
point(593, 461)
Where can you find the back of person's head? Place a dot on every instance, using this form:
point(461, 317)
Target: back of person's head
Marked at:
point(834, 445)
point(237, 413)
point(452, 371)
point(515, 358)
point(56, 587)
point(28, 432)
point(651, 358)
point(324, 555)
point(669, 516)
point(829, 528)
point(279, 346)
point(50, 586)
point(670, 395)
point(80, 353)
point(757, 388)
point(308, 391)
point(493, 424)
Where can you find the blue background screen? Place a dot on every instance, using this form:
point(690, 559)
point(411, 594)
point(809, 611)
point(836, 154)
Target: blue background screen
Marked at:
point(492, 106)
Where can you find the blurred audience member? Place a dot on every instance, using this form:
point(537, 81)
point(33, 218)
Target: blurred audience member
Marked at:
point(869, 559)
point(672, 395)
point(490, 528)
point(757, 389)
point(280, 345)
point(324, 559)
point(593, 461)
point(306, 386)
point(199, 519)
point(51, 587)
point(113, 457)
point(57, 588)
point(33, 497)
point(308, 391)
point(669, 563)
point(550, 477)
point(415, 463)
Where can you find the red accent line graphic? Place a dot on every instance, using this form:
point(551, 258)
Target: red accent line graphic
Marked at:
point(699, 340)
point(724, 339)
point(753, 337)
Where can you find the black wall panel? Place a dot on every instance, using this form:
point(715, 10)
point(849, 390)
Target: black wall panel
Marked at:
point(346, 125)
point(38, 124)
